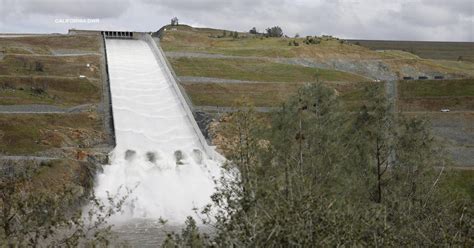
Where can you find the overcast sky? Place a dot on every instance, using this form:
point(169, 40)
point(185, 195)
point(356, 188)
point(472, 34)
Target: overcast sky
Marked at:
point(450, 20)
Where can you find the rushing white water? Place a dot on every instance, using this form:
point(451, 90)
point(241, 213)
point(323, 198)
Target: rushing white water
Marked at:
point(152, 133)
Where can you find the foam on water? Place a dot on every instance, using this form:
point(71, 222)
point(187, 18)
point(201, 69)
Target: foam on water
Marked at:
point(152, 134)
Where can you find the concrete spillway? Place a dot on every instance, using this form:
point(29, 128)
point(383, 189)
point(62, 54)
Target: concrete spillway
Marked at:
point(159, 153)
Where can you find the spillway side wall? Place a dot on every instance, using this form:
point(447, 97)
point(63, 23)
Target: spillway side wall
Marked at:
point(185, 102)
point(108, 116)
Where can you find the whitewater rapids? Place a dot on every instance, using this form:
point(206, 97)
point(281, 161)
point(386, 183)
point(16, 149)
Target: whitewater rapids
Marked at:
point(158, 153)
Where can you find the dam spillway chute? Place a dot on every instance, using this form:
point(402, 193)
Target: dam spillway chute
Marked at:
point(160, 154)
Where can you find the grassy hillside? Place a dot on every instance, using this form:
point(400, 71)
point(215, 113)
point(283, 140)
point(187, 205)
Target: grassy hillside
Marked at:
point(257, 70)
point(46, 70)
point(28, 134)
point(436, 88)
point(258, 94)
point(189, 39)
point(425, 49)
point(48, 45)
point(65, 66)
point(433, 95)
point(207, 53)
point(64, 92)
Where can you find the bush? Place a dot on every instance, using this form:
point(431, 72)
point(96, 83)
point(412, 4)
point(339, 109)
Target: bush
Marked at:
point(312, 40)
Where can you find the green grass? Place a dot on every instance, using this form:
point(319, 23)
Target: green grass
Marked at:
point(467, 66)
point(354, 91)
point(264, 94)
point(436, 104)
point(425, 49)
point(15, 50)
point(397, 54)
point(65, 92)
point(22, 65)
point(46, 44)
point(256, 70)
point(436, 88)
point(270, 47)
point(258, 94)
point(58, 76)
point(18, 97)
point(27, 134)
point(434, 95)
point(462, 182)
point(190, 39)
